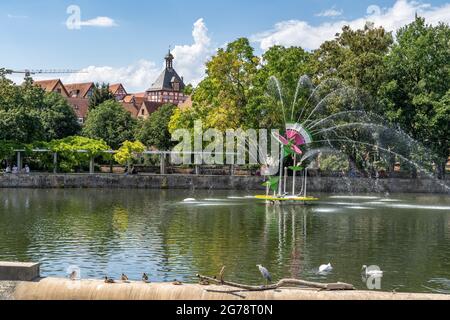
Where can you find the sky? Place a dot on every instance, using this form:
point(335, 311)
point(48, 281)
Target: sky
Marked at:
point(125, 41)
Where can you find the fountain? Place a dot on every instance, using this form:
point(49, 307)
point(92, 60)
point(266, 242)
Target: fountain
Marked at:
point(333, 120)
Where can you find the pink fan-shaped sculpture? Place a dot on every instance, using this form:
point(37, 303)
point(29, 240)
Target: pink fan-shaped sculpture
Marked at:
point(296, 136)
point(291, 137)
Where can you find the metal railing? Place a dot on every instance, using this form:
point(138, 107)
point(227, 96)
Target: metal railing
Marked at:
point(162, 154)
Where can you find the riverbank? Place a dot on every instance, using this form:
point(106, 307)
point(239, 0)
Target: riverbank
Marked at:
point(64, 289)
point(206, 182)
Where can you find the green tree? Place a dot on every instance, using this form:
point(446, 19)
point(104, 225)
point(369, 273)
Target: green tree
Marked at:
point(58, 118)
point(226, 89)
point(154, 131)
point(21, 125)
point(28, 113)
point(417, 93)
point(189, 89)
point(110, 122)
point(128, 151)
point(287, 65)
point(356, 57)
point(100, 94)
point(69, 148)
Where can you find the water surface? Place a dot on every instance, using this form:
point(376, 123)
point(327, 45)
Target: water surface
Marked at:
point(107, 232)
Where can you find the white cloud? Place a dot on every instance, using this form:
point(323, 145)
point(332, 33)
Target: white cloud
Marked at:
point(190, 59)
point(189, 63)
point(135, 77)
point(301, 33)
point(330, 13)
point(104, 22)
point(14, 16)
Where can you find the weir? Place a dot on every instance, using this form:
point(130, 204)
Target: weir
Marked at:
point(64, 289)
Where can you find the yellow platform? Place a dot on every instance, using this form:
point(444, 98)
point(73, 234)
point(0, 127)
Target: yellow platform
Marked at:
point(272, 198)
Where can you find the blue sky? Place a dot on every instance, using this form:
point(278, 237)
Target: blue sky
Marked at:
point(129, 45)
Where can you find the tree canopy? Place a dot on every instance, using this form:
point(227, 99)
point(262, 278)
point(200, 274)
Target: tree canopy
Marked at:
point(111, 123)
point(100, 94)
point(154, 131)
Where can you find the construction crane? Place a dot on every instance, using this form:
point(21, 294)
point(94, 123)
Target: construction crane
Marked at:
point(28, 72)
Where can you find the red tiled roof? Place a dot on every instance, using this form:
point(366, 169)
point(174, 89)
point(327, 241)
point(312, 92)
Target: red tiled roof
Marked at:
point(131, 108)
point(139, 98)
point(82, 88)
point(50, 85)
point(113, 88)
point(152, 106)
point(47, 85)
point(128, 98)
point(80, 106)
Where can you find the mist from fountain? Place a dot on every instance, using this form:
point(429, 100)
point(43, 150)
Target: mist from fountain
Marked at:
point(335, 115)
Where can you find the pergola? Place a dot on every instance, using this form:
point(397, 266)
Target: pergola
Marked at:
point(163, 157)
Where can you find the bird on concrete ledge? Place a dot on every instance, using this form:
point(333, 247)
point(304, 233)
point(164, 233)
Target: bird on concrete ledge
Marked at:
point(177, 283)
point(265, 273)
point(73, 276)
point(109, 280)
point(145, 278)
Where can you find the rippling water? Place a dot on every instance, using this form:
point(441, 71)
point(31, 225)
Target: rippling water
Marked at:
point(107, 232)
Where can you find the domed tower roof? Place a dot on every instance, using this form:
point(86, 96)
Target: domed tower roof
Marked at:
point(169, 60)
point(168, 77)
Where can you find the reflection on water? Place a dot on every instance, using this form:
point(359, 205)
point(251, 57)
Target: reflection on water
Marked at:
point(135, 231)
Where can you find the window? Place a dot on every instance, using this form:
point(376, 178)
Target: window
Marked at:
point(143, 112)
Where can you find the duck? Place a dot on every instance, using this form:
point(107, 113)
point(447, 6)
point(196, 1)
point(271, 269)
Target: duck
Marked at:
point(124, 277)
point(177, 283)
point(109, 280)
point(145, 278)
point(372, 272)
point(204, 282)
point(325, 268)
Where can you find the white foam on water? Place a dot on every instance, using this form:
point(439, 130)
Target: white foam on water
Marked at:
point(214, 204)
point(325, 210)
point(360, 208)
point(212, 199)
point(390, 200)
point(189, 200)
point(417, 206)
point(236, 198)
point(355, 197)
point(346, 203)
point(376, 203)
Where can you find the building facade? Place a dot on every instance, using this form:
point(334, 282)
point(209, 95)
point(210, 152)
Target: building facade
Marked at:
point(168, 88)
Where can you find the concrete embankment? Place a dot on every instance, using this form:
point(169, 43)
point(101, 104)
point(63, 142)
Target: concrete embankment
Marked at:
point(64, 289)
point(203, 182)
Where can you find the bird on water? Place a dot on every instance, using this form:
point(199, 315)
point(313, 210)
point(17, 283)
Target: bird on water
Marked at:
point(325, 268)
point(124, 277)
point(265, 273)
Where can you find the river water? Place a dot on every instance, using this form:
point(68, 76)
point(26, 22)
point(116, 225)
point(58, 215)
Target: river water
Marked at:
point(107, 232)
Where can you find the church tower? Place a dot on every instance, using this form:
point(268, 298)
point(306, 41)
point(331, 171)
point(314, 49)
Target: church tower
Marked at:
point(169, 86)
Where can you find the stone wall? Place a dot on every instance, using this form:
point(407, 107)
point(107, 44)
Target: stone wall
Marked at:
point(315, 184)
